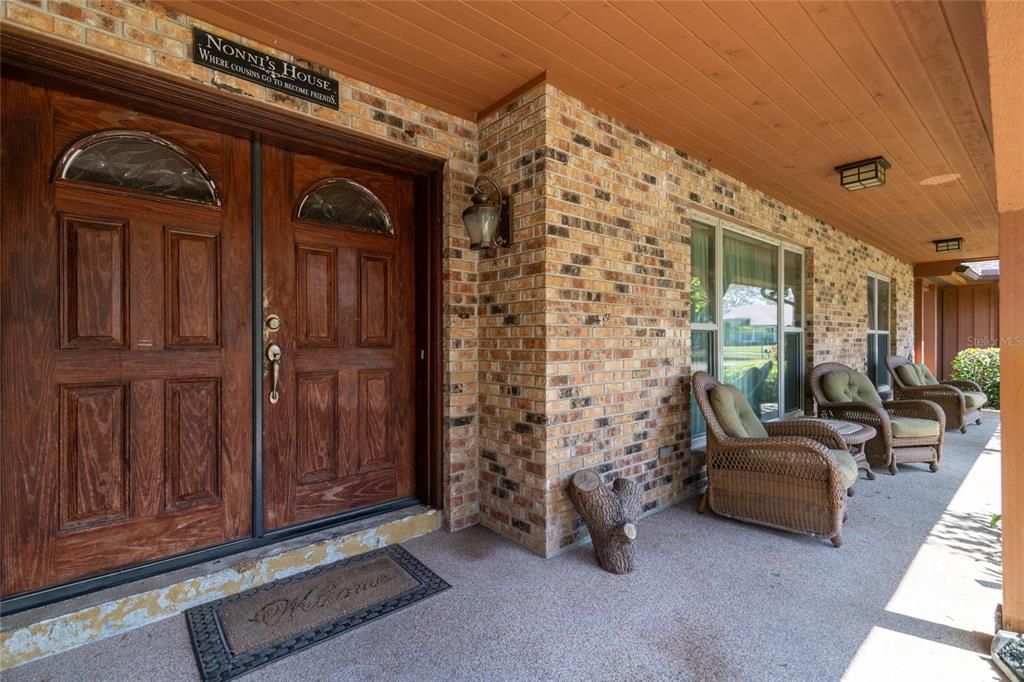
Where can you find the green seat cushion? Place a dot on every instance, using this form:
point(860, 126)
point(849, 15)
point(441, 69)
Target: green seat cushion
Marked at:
point(911, 427)
point(916, 374)
point(975, 399)
point(734, 413)
point(847, 386)
point(846, 465)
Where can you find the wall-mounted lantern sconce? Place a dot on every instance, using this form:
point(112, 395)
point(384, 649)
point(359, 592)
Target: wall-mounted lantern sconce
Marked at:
point(948, 245)
point(489, 220)
point(863, 174)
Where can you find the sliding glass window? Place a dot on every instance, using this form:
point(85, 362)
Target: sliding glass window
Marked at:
point(742, 329)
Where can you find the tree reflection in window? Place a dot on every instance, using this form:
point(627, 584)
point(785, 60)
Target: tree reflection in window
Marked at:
point(344, 203)
point(139, 162)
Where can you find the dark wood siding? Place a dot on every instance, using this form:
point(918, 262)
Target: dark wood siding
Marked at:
point(967, 317)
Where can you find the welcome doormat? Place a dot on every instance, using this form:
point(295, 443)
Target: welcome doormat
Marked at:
point(236, 634)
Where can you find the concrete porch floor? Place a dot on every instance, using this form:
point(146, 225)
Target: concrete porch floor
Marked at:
point(910, 595)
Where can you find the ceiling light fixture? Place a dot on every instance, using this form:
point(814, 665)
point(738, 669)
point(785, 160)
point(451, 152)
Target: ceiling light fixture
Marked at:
point(965, 271)
point(948, 245)
point(863, 174)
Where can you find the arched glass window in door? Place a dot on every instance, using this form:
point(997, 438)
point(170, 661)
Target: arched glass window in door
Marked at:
point(138, 161)
point(341, 202)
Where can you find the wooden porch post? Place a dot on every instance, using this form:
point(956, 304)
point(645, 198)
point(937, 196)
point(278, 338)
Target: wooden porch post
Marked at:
point(1005, 26)
point(926, 330)
point(918, 320)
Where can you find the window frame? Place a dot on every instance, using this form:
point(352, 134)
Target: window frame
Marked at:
point(84, 143)
point(719, 226)
point(361, 189)
point(872, 334)
point(792, 329)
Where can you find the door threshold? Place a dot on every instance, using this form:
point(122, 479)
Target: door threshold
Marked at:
point(68, 624)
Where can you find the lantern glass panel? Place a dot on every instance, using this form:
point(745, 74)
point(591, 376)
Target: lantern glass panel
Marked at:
point(481, 224)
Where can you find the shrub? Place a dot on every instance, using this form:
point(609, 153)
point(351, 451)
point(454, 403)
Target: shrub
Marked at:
point(980, 365)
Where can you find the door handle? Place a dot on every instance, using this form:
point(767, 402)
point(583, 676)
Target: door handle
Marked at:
point(274, 354)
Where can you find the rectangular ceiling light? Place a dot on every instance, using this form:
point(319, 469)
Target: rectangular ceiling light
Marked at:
point(863, 174)
point(947, 245)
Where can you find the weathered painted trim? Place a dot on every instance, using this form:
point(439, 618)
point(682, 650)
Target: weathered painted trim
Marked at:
point(117, 616)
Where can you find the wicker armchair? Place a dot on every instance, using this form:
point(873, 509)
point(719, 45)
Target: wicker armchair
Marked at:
point(793, 477)
point(960, 400)
point(904, 433)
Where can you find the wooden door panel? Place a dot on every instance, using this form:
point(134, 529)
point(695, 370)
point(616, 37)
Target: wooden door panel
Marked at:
point(75, 117)
point(93, 472)
point(308, 170)
point(345, 437)
point(142, 539)
point(94, 286)
point(127, 435)
point(107, 365)
point(319, 427)
point(324, 499)
point(316, 296)
point(29, 244)
point(376, 410)
point(148, 425)
point(192, 288)
point(192, 442)
point(375, 299)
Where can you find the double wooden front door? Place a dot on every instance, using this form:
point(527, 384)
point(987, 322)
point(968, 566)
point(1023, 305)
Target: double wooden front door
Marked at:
point(127, 332)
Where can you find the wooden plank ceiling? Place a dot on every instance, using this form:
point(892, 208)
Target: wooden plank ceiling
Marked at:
point(775, 93)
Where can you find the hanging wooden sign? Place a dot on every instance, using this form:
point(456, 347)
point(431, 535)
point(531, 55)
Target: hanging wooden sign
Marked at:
point(258, 67)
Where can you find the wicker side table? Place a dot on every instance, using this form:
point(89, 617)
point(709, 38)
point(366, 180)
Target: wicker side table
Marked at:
point(855, 436)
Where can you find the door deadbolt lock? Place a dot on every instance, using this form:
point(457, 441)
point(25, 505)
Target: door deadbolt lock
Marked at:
point(273, 323)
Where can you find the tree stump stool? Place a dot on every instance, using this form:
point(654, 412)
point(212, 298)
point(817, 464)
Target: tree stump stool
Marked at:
point(610, 515)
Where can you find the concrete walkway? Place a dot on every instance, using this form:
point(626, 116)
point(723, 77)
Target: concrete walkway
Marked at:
point(911, 595)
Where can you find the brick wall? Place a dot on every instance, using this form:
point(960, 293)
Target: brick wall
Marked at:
point(618, 295)
point(570, 349)
point(613, 350)
point(512, 326)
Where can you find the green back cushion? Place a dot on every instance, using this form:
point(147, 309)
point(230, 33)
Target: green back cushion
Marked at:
point(734, 413)
point(908, 375)
point(847, 386)
point(916, 374)
point(927, 377)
